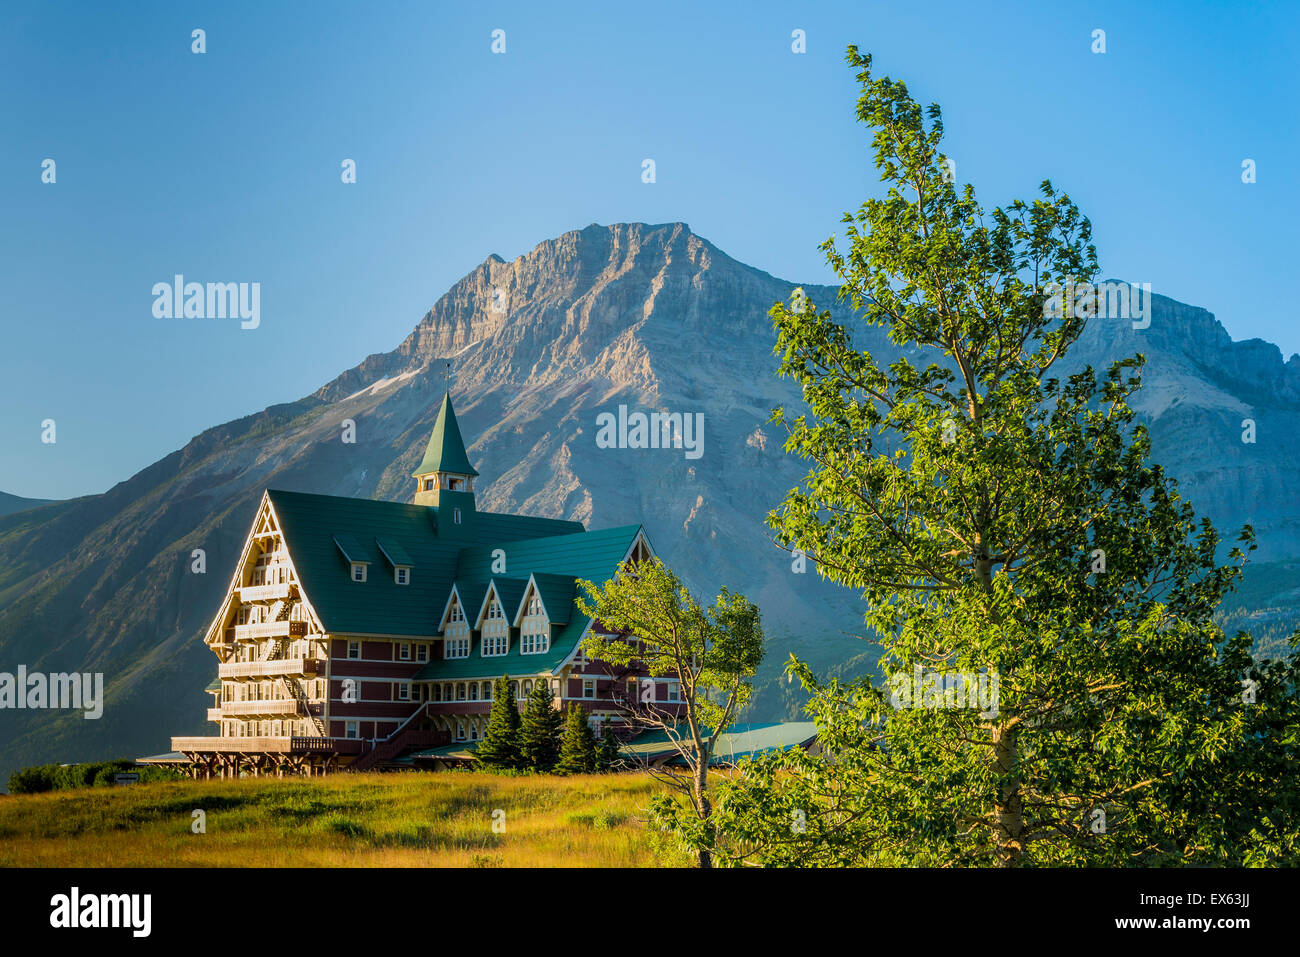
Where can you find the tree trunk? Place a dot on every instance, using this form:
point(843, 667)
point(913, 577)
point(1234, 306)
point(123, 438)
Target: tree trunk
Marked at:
point(703, 806)
point(1009, 826)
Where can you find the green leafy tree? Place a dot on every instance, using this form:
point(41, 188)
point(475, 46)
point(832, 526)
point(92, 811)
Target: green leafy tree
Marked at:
point(607, 750)
point(500, 747)
point(577, 745)
point(539, 735)
point(712, 652)
point(1006, 526)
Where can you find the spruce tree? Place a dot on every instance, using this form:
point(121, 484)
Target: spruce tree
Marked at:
point(607, 750)
point(539, 735)
point(578, 746)
point(500, 747)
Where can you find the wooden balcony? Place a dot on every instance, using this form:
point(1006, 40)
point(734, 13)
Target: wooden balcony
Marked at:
point(249, 593)
point(231, 709)
point(249, 745)
point(271, 629)
point(268, 669)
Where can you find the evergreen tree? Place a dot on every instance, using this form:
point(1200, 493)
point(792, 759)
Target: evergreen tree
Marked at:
point(578, 745)
point(500, 747)
point(607, 750)
point(539, 736)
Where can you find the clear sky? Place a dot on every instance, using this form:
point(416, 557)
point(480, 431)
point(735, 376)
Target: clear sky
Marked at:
point(225, 166)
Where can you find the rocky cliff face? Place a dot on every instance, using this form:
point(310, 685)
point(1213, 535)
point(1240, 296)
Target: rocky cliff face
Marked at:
point(650, 317)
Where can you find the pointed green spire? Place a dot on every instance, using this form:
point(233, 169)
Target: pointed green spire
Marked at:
point(446, 451)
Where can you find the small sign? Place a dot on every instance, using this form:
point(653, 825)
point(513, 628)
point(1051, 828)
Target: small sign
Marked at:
point(130, 778)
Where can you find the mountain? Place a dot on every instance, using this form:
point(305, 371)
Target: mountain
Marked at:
point(651, 317)
point(13, 503)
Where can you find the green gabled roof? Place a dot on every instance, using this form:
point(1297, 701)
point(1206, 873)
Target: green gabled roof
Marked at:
point(594, 556)
point(394, 552)
point(556, 592)
point(378, 606)
point(511, 593)
point(446, 450)
point(351, 548)
point(501, 529)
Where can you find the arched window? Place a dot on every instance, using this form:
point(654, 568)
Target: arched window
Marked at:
point(460, 691)
point(528, 687)
point(473, 691)
point(514, 687)
point(487, 691)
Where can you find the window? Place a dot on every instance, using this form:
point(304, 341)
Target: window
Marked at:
point(456, 614)
point(402, 576)
point(589, 687)
point(351, 730)
point(487, 691)
point(358, 571)
point(429, 485)
point(460, 691)
point(403, 692)
point(535, 605)
point(495, 645)
point(674, 690)
point(404, 651)
point(421, 652)
point(456, 648)
point(354, 649)
point(455, 515)
point(533, 643)
point(473, 691)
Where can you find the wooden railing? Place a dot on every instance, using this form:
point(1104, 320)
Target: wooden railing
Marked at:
point(266, 592)
point(264, 706)
point(268, 669)
point(271, 629)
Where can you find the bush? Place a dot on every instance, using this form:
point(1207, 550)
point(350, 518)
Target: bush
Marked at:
point(54, 777)
point(34, 780)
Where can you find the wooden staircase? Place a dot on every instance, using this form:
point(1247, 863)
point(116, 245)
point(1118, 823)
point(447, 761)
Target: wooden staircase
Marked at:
point(402, 740)
point(304, 703)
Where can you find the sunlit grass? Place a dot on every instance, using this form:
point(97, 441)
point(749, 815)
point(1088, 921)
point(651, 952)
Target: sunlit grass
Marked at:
point(382, 820)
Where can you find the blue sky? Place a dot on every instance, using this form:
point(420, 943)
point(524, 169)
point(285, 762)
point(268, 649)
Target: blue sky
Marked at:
point(225, 167)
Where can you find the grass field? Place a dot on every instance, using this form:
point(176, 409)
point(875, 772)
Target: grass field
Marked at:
point(386, 820)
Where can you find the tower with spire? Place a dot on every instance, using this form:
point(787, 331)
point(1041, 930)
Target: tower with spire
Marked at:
point(444, 479)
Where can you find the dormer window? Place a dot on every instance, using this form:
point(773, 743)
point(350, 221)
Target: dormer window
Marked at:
point(402, 575)
point(358, 571)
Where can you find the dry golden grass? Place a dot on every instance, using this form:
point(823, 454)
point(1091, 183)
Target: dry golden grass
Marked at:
point(367, 820)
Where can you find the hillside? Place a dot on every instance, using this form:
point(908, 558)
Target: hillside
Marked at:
point(653, 317)
point(13, 503)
